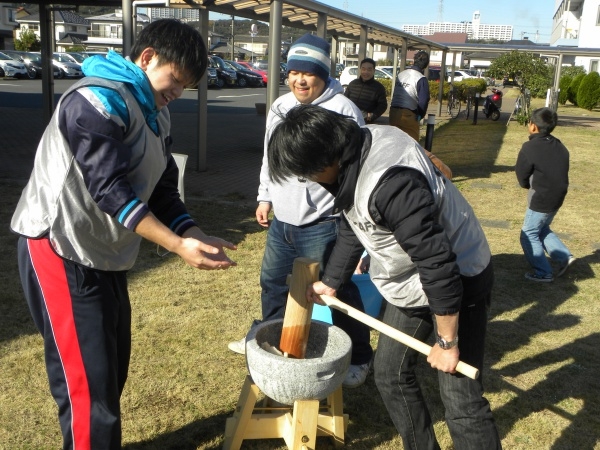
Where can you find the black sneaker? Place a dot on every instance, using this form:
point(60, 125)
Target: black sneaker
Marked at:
point(541, 279)
point(563, 268)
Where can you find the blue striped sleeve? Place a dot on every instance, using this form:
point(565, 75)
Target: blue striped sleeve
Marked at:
point(131, 213)
point(181, 224)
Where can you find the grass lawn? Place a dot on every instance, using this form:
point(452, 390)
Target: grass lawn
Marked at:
point(542, 347)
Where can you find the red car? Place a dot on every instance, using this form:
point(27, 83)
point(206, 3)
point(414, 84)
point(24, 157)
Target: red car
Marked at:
point(249, 66)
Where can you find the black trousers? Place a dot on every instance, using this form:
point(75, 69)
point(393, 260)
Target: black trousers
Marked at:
point(84, 316)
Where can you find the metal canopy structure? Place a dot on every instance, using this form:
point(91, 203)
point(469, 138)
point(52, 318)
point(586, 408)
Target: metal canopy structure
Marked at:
point(306, 14)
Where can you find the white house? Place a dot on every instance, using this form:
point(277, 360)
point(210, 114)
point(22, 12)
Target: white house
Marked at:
point(106, 31)
point(8, 22)
point(69, 28)
point(576, 23)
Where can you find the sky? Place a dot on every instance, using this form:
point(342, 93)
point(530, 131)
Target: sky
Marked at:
point(529, 17)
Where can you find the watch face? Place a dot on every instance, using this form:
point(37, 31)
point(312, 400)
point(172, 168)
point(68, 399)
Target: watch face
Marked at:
point(446, 344)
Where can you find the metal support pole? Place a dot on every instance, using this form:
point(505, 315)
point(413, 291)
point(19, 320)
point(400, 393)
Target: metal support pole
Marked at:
point(322, 25)
point(46, 30)
point(395, 72)
point(429, 132)
point(362, 49)
point(201, 160)
point(403, 51)
point(128, 26)
point(334, 55)
point(477, 95)
point(274, 51)
point(441, 83)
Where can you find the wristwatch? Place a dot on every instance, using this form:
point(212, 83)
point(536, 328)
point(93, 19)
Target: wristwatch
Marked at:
point(446, 345)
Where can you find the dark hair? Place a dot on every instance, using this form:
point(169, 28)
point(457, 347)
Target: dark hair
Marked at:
point(175, 43)
point(421, 59)
point(368, 60)
point(307, 141)
point(544, 119)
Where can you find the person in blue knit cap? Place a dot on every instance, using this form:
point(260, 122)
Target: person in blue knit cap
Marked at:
point(304, 224)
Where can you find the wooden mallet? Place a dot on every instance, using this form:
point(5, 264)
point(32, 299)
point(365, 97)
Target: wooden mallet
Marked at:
point(298, 311)
point(409, 341)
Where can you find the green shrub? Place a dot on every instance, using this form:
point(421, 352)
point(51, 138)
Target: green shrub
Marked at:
point(572, 71)
point(538, 85)
point(387, 84)
point(462, 87)
point(574, 87)
point(563, 85)
point(587, 93)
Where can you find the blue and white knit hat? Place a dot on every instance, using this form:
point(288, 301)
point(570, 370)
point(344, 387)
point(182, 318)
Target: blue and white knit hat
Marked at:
point(310, 54)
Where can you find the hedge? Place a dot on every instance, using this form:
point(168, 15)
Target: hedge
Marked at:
point(462, 87)
point(588, 91)
point(574, 87)
point(563, 85)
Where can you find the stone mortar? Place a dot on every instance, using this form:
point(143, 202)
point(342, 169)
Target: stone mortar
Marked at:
point(286, 380)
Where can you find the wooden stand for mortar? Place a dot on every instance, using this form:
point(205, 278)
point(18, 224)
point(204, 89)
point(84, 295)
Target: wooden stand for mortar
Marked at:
point(299, 425)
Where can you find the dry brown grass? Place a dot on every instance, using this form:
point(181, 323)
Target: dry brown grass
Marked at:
point(541, 365)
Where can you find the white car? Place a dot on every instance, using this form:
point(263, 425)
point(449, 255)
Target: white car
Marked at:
point(66, 68)
point(459, 75)
point(10, 67)
point(353, 72)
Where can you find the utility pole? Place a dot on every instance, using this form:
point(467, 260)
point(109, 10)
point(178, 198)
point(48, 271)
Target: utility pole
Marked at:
point(232, 39)
point(253, 32)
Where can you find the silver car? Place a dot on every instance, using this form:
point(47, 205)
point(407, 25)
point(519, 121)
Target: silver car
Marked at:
point(10, 67)
point(67, 68)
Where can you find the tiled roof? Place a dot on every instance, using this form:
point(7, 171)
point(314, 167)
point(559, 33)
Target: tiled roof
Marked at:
point(59, 17)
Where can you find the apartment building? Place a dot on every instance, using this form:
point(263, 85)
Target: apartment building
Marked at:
point(474, 29)
point(576, 23)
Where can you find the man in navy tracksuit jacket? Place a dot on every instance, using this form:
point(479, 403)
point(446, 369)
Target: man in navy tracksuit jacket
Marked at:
point(103, 179)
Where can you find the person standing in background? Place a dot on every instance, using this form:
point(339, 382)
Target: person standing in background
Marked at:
point(367, 93)
point(543, 168)
point(411, 97)
point(410, 102)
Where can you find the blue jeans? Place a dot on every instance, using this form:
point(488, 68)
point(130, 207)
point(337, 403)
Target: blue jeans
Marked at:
point(287, 242)
point(537, 238)
point(468, 413)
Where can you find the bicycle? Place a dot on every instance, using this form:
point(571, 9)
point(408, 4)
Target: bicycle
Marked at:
point(469, 102)
point(453, 103)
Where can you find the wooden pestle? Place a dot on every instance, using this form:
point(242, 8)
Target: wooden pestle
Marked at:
point(298, 311)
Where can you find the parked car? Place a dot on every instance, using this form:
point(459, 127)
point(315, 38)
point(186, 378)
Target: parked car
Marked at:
point(10, 67)
point(88, 54)
point(225, 76)
point(32, 61)
point(459, 75)
point(352, 72)
point(434, 74)
point(263, 73)
point(78, 57)
point(211, 76)
point(283, 71)
point(283, 74)
point(67, 69)
point(245, 77)
point(63, 56)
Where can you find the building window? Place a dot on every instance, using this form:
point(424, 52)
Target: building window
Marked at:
point(594, 65)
